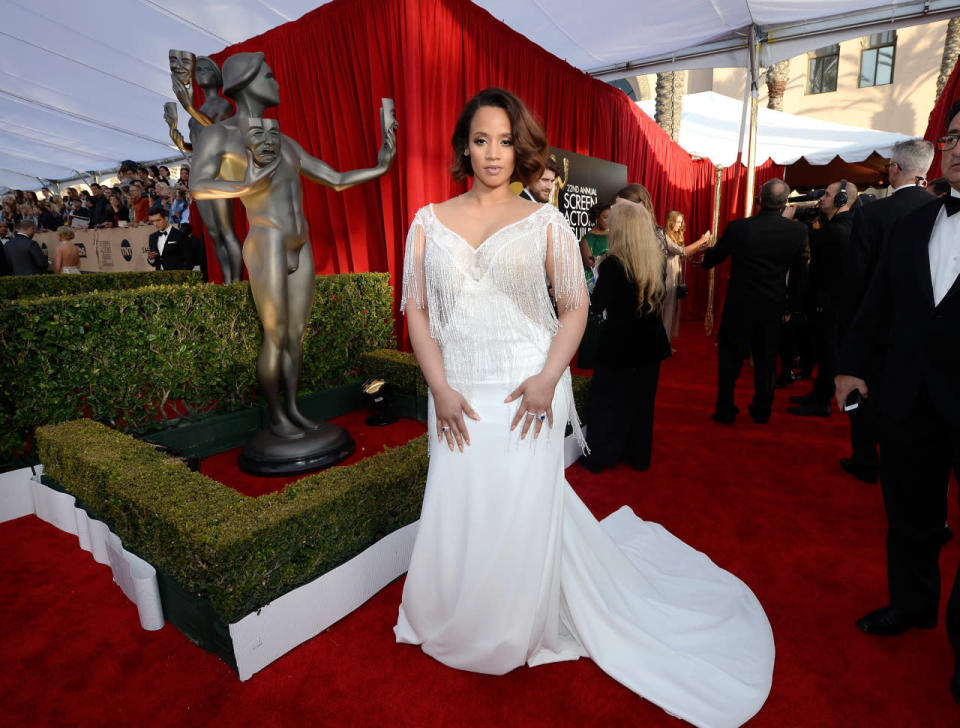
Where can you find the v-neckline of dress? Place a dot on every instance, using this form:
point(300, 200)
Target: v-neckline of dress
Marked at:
point(490, 236)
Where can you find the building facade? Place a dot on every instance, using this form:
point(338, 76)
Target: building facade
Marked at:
point(887, 81)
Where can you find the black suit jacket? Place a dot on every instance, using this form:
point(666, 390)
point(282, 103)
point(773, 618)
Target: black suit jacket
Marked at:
point(763, 249)
point(177, 251)
point(24, 256)
point(527, 194)
point(828, 247)
point(872, 226)
point(100, 211)
point(920, 342)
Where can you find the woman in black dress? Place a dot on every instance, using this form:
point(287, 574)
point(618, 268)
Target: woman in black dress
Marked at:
point(633, 342)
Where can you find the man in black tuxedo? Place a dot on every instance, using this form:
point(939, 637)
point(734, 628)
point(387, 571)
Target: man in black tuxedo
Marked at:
point(872, 225)
point(828, 243)
point(912, 312)
point(764, 249)
point(539, 190)
point(23, 255)
point(170, 249)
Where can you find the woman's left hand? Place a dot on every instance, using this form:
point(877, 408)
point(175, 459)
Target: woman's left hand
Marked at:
point(536, 405)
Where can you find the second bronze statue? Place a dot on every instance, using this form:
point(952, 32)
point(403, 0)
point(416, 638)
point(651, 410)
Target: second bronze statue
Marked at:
point(217, 215)
point(247, 157)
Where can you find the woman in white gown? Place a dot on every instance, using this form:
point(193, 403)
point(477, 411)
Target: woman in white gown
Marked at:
point(509, 566)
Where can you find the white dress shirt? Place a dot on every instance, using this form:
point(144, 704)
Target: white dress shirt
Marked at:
point(162, 239)
point(944, 252)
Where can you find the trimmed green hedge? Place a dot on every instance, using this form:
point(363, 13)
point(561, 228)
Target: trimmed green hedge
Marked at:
point(235, 552)
point(402, 370)
point(122, 357)
point(64, 285)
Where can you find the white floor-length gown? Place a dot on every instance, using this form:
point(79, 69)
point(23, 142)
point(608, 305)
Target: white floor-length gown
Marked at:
point(509, 565)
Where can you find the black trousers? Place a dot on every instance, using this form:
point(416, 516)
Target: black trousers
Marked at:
point(865, 433)
point(826, 342)
point(916, 457)
point(737, 339)
point(620, 415)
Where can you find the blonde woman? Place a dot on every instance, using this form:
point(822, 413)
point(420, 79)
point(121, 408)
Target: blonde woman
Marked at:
point(674, 233)
point(66, 258)
point(629, 292)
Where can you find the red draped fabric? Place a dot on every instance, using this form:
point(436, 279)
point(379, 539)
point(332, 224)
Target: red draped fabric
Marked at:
point(937, 124)
point(337, 62)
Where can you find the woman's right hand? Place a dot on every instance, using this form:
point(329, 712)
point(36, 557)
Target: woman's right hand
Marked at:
point(449, 406)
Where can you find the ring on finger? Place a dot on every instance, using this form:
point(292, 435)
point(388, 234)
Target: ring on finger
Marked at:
point(444, 428)
point(542, 417)
point(530, 414)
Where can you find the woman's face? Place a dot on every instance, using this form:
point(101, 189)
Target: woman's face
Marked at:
point(678, 225)
point(490, 146)
point(603, 220)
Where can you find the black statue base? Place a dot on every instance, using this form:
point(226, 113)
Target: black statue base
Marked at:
point(268, 454)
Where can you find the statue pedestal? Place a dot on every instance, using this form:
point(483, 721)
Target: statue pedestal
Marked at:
point(268, 454)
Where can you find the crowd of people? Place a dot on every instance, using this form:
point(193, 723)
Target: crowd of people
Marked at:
point(125, 202)
point(140, 195)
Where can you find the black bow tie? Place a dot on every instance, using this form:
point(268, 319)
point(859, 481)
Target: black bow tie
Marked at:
point(952, 204)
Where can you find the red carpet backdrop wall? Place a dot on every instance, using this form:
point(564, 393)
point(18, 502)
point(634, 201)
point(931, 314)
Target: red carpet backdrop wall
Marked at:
point(337, 62)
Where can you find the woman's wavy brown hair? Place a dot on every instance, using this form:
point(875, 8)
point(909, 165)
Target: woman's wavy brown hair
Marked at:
point(529, 139)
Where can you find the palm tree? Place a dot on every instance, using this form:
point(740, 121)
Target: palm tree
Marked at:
point(777, 76)
point(669, 101)
point(951, 47)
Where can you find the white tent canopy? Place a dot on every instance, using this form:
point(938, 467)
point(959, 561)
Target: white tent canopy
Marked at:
point(82, 85)
point(710, 127)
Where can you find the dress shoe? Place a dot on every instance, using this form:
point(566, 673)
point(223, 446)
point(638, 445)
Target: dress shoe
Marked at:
point(889, 621)
point(955, 686)
point(866, 473)
point(803, 398)
point(725, 418)
point(759, 416)
point(810, 410)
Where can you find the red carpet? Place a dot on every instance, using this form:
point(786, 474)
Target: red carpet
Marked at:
point(768, 503)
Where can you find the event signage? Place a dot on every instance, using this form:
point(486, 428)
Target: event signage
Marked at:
point(106, 250)
point(585, 182)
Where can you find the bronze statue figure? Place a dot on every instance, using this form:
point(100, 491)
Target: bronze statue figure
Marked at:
point(247, 157)
point(217, 215)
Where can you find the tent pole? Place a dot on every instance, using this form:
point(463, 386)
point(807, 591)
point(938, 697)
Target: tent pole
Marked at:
point(714, 231)
point(752, 148)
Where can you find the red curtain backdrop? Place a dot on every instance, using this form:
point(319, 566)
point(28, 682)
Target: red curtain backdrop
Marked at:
point(937, 124)
point(430, 56)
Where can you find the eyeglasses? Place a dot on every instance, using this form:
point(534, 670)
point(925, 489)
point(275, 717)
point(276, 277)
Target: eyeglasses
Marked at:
point(948, 142)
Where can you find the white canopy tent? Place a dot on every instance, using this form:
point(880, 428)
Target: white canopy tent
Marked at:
point(82, 86)
point(710, 128)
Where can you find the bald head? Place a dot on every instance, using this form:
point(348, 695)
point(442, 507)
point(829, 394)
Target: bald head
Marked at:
point(774, 194)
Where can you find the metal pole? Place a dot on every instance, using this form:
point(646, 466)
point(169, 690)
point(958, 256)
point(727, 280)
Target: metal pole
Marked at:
point(752, 148)
point(715, 231)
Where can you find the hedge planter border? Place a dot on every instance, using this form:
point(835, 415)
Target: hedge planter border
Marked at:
point(234, 552)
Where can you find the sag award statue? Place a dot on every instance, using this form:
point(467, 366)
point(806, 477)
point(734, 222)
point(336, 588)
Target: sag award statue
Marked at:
point(217, 215)
point(247, 157)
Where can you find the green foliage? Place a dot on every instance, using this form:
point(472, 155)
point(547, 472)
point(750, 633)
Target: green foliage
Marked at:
point(402, 370)
point(64, 285)
point(235, 552)
point(126, 357)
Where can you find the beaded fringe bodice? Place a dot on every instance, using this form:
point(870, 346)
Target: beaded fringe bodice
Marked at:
point(490, 308)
